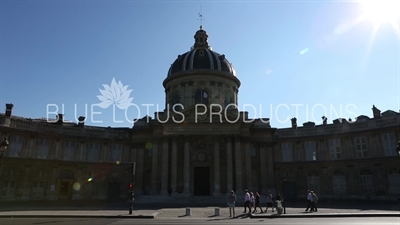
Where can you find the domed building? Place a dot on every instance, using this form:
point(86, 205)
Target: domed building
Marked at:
point(200, 145)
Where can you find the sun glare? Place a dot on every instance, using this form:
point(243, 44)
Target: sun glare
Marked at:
point(381, 11)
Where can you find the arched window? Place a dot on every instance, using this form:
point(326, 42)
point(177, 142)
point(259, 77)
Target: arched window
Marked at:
point(394, 181)
point(201, 97)
point(227, 100)
point(176, 99)
point(339, 185)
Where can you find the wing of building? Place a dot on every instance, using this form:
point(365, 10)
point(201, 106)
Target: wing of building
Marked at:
point(201, 144)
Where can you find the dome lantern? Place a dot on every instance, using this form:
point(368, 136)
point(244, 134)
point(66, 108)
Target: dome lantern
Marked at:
point(200, 38)
point(201, 56)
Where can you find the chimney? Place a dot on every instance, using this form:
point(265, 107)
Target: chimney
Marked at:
point(324, 120)
point(376, 112)
point(9, 108)
point(60, 119)
point(81, 120)
point(294, 123)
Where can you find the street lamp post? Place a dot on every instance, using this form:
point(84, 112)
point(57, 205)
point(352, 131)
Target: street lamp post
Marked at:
point(3, 148)
point(131, 192)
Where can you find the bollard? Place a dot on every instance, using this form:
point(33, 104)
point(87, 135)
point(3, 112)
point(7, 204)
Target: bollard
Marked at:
point(217, 212)
point(188, 212)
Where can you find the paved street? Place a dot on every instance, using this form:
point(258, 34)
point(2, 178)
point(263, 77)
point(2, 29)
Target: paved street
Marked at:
point(209, 221)
point(200, 208)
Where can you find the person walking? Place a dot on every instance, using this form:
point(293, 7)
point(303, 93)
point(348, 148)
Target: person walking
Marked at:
point(231, 203)
point(309, 201)
point(314, 202)
point(252, 201)
point(278, 198)
point(257, 203)
point(279, 204)
point(246, 201)
point(270, 202)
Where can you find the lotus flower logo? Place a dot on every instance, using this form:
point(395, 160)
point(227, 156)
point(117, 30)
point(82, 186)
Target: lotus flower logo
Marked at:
point(117, 94)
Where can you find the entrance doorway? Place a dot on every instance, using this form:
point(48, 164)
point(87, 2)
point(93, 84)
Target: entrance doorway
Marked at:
point(290, 191)
point(66, 179)
point(114, 191)
point(201, 182)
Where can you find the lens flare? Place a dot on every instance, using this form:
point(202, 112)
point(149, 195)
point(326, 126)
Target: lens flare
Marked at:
point(149, 145)
point(76, 186)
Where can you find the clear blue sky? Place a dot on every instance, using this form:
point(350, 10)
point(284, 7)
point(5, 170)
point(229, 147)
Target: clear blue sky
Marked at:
point(312, 53)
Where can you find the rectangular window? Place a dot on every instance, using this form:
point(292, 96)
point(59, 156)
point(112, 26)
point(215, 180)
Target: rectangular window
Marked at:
point(43, 148)
point(8, 189)
point(334, 149)
point(69, 150)
point(37, 188)
point(93, 150)
point(287, 152)
point(361, 147)
point(16, 144)
point(389, 144)
point(311, 150)
point(116, 152)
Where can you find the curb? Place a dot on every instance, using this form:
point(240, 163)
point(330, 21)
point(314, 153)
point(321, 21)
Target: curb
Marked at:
point(252, 216)
point(150, 216)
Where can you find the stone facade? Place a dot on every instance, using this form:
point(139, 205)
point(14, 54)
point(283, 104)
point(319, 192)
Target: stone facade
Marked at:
point(200, 145)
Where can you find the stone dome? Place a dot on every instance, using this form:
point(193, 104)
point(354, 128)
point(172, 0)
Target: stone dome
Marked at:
point(201, 56)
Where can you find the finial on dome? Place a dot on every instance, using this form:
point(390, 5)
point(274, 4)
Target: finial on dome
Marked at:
point(201, 19)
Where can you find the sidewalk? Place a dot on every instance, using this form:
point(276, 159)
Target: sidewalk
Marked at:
point(151, 207)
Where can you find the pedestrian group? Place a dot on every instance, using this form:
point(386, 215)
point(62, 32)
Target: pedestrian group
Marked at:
point(252, 202)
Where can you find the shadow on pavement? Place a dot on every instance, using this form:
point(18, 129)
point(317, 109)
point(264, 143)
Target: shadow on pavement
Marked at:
point(216, 202)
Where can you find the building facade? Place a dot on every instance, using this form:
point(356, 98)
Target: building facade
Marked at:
point(201, 144)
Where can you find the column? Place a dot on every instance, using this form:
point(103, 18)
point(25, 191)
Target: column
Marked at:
point(164, 168)
point(154, 169)
point(351, 182)
point(27, 146)
point(51, 154)
point(53, 185)
point(238, 167)
point(25, 187)
point(133, 155)
point(174, 162)
point(186, 167)
point(270, 166)
point(229, 175)
point(249, 171)
point(379, 181)
point(77, 195)
point(263, 170)
point(217, 188)
point(139, 170)
point(83, 156)
point(32, 146)
point(105, 152)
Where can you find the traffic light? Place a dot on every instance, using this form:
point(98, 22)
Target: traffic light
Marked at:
point(131, 185)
